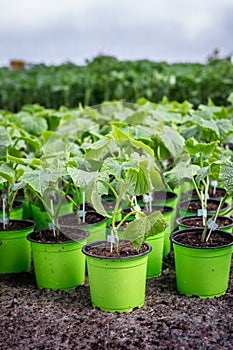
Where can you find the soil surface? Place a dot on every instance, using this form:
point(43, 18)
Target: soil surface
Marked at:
point(198, 221)
point(91, 217)
point(47, 235)
point(16, 205)
point(17, 225)
point(218, 193)
point(160, 196)
point(163, 210)
point(194, 205)
point(126, 249)
point(41, 319)
point(193, 239)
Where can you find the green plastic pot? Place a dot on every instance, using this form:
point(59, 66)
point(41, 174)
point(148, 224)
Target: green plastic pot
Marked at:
point(202, 272)
point(169, 217)
point(185, 211)
point(191, 194)
point(58, 266)
point(27, 212)
point(17, 211)
point(186, 186)
point(109, 205)
point(117, 284)
point(165, 197)
point(178, 192)
point(155, 257)
point(182, 222)
point(42, 219)
point(97, 230)
point(15, 251)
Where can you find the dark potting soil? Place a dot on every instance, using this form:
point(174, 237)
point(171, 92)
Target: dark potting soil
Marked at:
point(16, 205)
point(123, 226)
point(195, 205)
point(47, 236)
point(192, 239)
point(41, 319)
point(17, 225)
point(163, 195)
point(219, 193)
point(163, 210)
point(90, 218)
point(125, 249)
point(198, 222)
point(108, 204)
point(160, 196)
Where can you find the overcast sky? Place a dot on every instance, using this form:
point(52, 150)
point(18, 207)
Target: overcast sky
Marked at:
point(57, 31)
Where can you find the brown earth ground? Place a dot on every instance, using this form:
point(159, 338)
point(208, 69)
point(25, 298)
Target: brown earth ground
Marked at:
point(38, 319)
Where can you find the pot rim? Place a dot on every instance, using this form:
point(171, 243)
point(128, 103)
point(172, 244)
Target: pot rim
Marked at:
point(98, 243)
point(227, 206)
point(33, 240)
point(182, 232)
point(31, 224)
point(125, 210)
point(172, 195)
point(82, 224)
point(189, 192)
point(193, 217)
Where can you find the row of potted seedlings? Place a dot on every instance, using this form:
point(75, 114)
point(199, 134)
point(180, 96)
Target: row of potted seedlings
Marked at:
point(126, 245)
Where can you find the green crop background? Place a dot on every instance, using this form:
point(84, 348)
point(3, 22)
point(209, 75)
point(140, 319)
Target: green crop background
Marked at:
point(105, 78)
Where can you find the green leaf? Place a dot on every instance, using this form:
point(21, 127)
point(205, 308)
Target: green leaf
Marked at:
point(137, 181)
point(82, 178)
point(225, 128)
point(32, 124)
point(128, 142)
point(182, 171)
point(226, 177)
point(138, 230)
point(202, 174)
point(169, 140)
point(112, 167)
point(98, 149)
point(7, 173)
point(93, 197)
point(17, 160)
point(194, 147)
point(32, 143)
point(5, 139)
point(230, 98)
point(40, 180)
point(156, 179)
point(136, 118)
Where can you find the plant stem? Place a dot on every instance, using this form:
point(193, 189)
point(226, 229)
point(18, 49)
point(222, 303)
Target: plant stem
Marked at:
point(214, 217)
point(196, 188)
point(118, 199)
point(125, 218)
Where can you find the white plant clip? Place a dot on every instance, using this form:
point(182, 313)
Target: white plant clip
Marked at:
point(136, 205)
point(83, 206)
point(214, 184)
point(202, 212)
point(212, 224)
point(148, 198)
point(5, 220)
point(111, 240)
point(53, 227)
